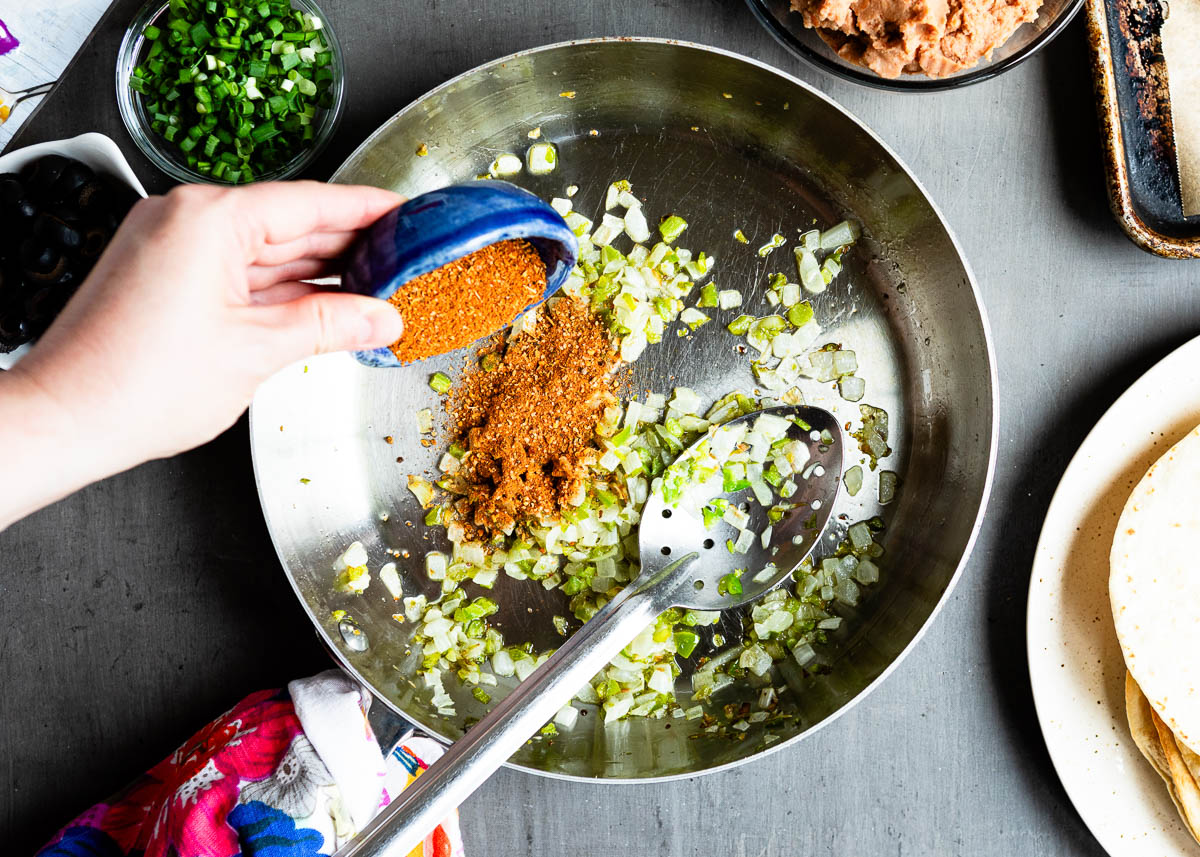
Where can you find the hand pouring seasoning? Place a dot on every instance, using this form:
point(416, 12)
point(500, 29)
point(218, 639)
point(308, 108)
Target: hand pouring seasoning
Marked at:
point(459, 264)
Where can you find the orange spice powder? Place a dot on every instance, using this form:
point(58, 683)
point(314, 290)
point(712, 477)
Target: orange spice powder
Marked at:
point(466, 299)
point(529, 421)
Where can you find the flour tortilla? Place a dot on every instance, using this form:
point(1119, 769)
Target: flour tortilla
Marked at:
point(1145, 734)
point(1187, 792)
point(1154, 588)
point(1143, 725)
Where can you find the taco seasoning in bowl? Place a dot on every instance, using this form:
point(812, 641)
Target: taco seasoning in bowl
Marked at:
point(467, 299)
point(459, 264)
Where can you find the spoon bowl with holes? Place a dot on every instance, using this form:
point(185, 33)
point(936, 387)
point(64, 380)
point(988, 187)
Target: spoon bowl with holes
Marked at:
point(682, 565)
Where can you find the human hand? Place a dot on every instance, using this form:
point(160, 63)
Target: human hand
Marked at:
point(197, 300)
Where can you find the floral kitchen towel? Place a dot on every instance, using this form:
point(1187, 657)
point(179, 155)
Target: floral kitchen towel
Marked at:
point(292, 773)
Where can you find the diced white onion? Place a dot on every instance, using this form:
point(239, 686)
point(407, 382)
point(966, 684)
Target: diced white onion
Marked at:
point(506, 164)
point(566, 717)
point(852, 388)
point(541, 158)
point(729, 298)
point(391, 579)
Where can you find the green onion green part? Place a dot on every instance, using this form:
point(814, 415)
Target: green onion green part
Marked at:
point(235, 89)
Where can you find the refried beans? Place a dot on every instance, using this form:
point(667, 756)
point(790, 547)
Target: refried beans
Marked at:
point(931, 37)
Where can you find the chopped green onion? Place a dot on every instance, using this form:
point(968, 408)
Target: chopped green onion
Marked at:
point(685, 642)
point(671, 228)
point(740, 325)
point(440, 382)
point(777, 240)
point(800, 314)
point(251, 90)
point(730, 584)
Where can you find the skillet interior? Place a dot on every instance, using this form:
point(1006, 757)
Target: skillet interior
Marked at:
point(728, 144)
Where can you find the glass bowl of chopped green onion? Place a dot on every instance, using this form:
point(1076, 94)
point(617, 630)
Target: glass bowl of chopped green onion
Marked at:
point(230, 92)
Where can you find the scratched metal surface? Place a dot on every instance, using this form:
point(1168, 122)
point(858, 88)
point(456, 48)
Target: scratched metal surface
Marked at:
point(729, 145)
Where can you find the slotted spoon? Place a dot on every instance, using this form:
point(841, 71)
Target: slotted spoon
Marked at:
point(682, 563)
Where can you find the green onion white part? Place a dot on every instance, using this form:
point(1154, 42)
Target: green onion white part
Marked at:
point(541, 159)
point(505, 165)
point(351, 569)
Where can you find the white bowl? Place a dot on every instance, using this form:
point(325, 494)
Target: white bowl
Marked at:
point(98, 152)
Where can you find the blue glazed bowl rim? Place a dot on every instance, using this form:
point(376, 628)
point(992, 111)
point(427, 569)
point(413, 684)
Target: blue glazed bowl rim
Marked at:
point(482, 232)
point(495, 227)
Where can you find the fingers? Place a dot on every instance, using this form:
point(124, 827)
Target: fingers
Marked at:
point(315, 245)
point(279, 293)
point(328, 321)
point(281, 212)
point(259, 277)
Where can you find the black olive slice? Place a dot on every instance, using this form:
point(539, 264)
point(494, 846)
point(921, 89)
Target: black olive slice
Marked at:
point(15, 330)
point(40, 175)
point(75, 176)
point(40, 304)
point(92, 199)
point(38, 256)
point(95, 240)
point(55, 231)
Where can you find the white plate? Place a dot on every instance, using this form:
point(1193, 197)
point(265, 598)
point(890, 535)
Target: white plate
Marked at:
point(98, 152)
point(1075, 664)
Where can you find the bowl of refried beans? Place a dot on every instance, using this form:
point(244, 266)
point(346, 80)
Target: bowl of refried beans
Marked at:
point(915, 44)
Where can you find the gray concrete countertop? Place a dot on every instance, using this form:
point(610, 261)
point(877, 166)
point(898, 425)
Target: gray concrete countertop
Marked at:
point(137, 609)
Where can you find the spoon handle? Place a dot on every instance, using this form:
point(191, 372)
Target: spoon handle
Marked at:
point(405, 822)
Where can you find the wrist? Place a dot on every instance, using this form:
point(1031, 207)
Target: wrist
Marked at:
point(51, 448)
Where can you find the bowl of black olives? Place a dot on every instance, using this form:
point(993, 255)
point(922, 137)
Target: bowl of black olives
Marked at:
point(60, 204)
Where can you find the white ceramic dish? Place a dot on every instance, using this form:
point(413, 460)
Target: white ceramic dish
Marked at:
point(98, 152)
point(1075, 663)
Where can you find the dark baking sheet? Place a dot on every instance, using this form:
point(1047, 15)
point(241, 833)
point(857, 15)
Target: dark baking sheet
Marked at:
point(1135, 116)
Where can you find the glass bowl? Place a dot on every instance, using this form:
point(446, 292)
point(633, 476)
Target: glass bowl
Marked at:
point(788, 28)
point(164, 154)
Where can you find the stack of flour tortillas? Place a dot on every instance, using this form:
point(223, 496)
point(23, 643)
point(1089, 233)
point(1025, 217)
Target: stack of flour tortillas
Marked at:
point(1154, 585)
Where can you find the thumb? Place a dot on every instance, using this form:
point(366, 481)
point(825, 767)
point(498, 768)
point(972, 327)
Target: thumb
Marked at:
point(331, 321)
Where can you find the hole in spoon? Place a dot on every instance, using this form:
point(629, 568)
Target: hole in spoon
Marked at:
point(708, 543)
point(698, 585)
point(666, 513)
point(816, 504)
point(666, 551)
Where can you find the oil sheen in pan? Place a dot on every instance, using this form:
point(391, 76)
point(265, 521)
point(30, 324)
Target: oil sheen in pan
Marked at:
point(728, 144)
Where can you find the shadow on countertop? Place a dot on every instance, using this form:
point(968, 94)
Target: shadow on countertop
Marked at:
point(1075, 132)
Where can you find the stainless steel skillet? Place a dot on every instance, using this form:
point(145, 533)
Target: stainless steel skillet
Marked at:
point(729, 144)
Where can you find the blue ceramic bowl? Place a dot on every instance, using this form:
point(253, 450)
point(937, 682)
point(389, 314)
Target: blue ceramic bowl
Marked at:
point(438, 227)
